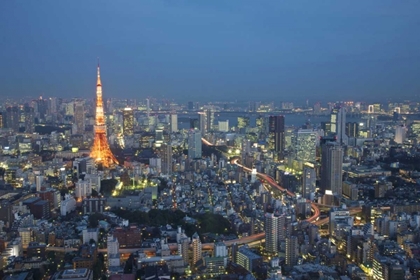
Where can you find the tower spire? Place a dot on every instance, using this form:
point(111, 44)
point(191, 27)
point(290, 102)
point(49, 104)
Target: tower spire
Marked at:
point(100, 149)
point(99, 74)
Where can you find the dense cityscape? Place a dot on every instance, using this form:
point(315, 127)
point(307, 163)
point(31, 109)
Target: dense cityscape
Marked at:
point(105, 188)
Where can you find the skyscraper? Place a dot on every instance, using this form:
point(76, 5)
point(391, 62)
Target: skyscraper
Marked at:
point(79, 116)
point(148, 107)
point(52, 105)
point(308, 182)
point(166, 150)
point(174, 123)
point(29, 116)
point(209, 119)
point(400, 134)
point(271, 233)
point(331, 168)
point(338, 124)
point(306, 145)
point(41, 108)
point(276, 136)
point(128, 122)
point(1, 120)
point(352, 129)
point(12, 118)
point(202, 122)
point(194, 144)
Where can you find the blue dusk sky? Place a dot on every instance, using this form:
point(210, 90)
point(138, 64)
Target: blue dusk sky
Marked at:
point(279, 50)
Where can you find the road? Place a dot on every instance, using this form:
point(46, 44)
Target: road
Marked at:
point(353, 211)
point(269, 180)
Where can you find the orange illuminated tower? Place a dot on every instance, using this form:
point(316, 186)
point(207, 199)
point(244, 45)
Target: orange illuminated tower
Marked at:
point(100, 149)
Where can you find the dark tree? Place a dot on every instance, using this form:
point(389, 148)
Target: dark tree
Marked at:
point(108, 186)
point(94, 220)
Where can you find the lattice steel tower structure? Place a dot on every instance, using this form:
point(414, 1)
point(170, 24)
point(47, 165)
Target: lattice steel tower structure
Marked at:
point(100, 149)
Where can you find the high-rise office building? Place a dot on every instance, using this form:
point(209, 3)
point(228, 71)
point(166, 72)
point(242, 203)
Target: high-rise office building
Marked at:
point(29, 116)
point(202, 122)
point(326, 127)
point(52, 105)
point(128, 122)
point(308, 182)
point(400, 134)
point(174, 123)
point(166, 159)
point(243, 123)
point(271, 233)
point(1, 120)
point(331, 168)
point(79, 116)
point(276, 136)
point(148, 107)
point(352, 129)
point(69, 108)
point(41, 108)
point(209, 119)
point(292, 250)
point(12, 118)
point(338, 124)
point(306, 145)
point(194, 144)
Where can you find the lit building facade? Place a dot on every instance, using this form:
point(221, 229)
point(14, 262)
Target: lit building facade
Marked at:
point(128, 122)
point(338, 124)
point(194, 144)
point(306, 145)
point(101, 152)
point(174, 123)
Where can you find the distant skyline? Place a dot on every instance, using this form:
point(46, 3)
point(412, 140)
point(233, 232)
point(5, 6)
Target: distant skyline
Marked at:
point(212, 50)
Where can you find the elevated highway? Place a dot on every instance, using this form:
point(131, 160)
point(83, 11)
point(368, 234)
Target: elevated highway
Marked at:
point(270, 181)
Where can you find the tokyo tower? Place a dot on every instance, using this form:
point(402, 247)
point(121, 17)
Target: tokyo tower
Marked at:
point(100, 149)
